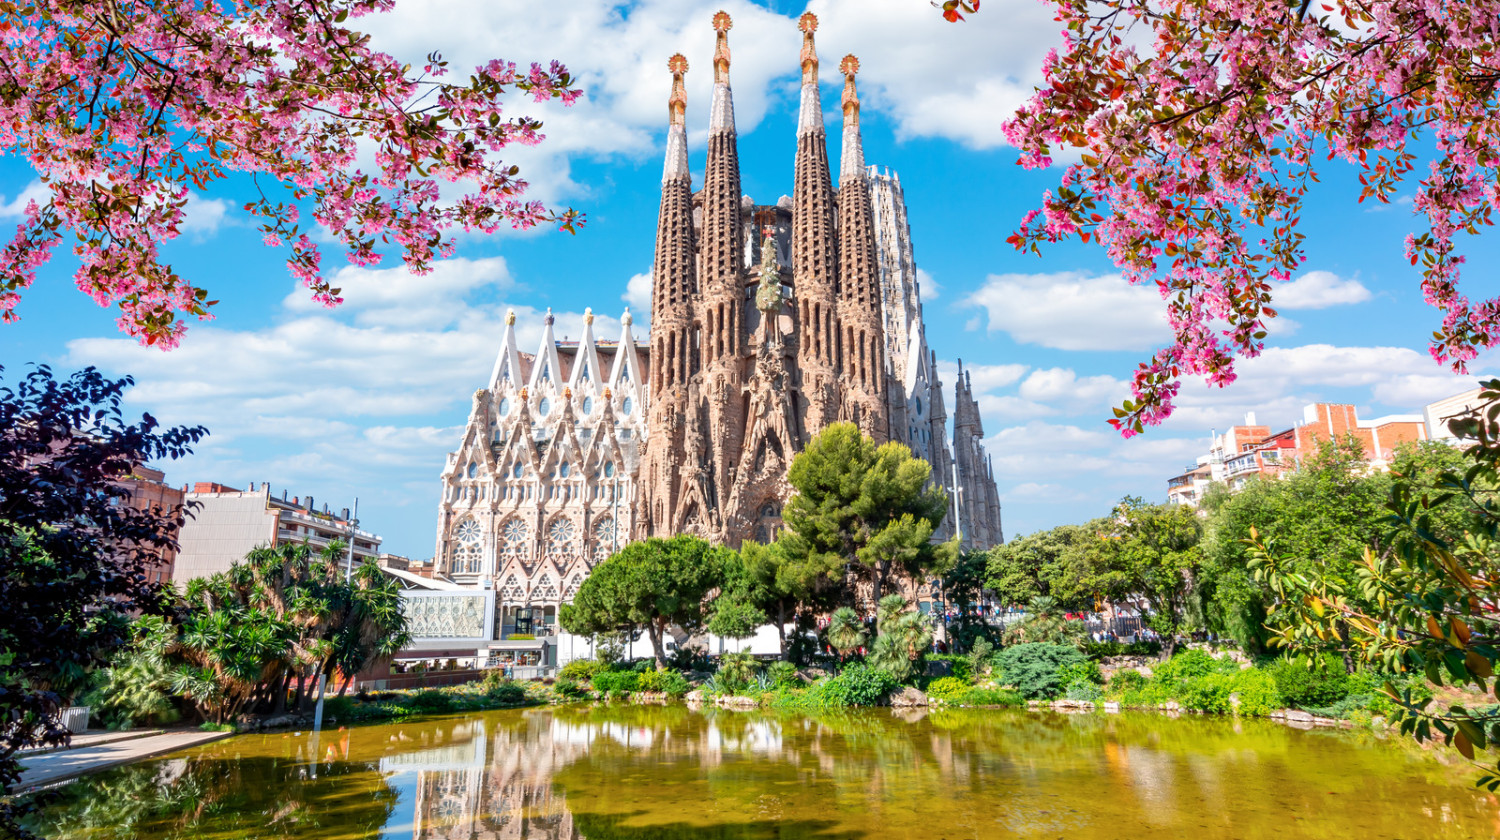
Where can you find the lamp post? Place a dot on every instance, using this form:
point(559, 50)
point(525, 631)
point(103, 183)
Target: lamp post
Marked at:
point(353, 530)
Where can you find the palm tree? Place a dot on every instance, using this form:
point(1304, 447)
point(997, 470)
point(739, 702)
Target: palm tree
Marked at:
point(845, 632)
point(904, 636)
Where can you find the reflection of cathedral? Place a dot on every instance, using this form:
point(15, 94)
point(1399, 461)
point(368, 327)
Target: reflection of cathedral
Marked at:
point(768, 323)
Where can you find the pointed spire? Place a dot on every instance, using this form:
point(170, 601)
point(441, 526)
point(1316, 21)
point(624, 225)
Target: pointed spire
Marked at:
point(677, 158)
point(721, 116)
point(810, 117)
point(852, 161)
point(508, 360)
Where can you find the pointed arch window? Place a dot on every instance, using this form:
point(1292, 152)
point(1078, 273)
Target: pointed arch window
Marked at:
point(544, 407)
point(473, 469)
point(514, 539)
point(466, 551)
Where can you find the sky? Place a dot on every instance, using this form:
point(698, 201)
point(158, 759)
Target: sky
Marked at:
point(365, 400)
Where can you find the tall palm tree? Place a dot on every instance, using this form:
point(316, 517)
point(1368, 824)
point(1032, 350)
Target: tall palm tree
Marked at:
point(904, 636)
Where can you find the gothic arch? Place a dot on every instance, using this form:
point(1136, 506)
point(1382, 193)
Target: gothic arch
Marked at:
point(562, 538)
point(513, 540)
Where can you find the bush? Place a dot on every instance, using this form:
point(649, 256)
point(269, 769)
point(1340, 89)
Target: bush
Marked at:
point(992, 697)
point(1126, 679)
point(505, 692)
point(1258, 693)
point(1191, 664)
point(666, 681)
point(339, 708)
point(1080, 672)
point(616, 683)
point(1033, 668)
point(859, 685)
point(430, 702)
point(737, 669)
point(959, 665)
point(784, 675)
point(1303, 682)
point(582, 670)
point(570, 690)
point(1083, 691)
point(950, 689)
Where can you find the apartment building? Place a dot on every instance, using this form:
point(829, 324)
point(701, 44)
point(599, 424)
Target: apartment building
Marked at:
point(228, 523)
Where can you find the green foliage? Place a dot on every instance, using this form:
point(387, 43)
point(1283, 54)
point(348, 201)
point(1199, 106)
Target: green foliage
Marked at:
point(959, 665)
point(904, 635)
point(582, 670)
point(1074, 673)
point(616, 683)
point(950, 689)
point(570, 690)
point(1033, 668)
point(1191, 664)
point(135, 690)
point(521, 637)
point(665, 681)
point(1126, 680)
point(431, 702)
point(980, 655)
point(845, 632)
point(865, 505)
point(784, 675)
point(737, 669)
point(1303, 681)
point(652, 584)
point(978, 696)
point(859, 685)
point(1097, 650)
point(1049, 563)
point(1046, 622)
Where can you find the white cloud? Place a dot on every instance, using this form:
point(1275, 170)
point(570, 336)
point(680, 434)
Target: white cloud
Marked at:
point(928, 289)
point(16, 207)
point(1318, 290)
point(1065, 387)
point(638, 296)
point(202, 217)
point(1073, 311)
point(395, 297)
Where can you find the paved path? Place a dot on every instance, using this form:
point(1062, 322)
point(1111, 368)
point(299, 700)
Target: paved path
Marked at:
point(52, 767)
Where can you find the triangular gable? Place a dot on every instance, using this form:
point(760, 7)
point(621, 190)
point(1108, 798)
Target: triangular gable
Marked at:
point(627, 375)
point(508, 361)
point(546, 369)
point(587, 378)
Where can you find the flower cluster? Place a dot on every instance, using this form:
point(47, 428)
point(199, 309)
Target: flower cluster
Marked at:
point(1199, 126)
point(124, 106)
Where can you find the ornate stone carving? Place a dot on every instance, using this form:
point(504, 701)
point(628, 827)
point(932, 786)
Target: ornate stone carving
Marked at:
point(457, 616)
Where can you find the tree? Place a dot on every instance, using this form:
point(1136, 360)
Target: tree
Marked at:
point(1053, 563)
point(1200, 128)
point(1425, 602)
point(864, 506)
point(904, 636)
point(846, 633)
point(124, 109)
point(1152, 553)
point(73, 554)
point(652, 584)
point(963, 587)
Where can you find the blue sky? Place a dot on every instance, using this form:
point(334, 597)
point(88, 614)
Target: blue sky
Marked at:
point(365, 400)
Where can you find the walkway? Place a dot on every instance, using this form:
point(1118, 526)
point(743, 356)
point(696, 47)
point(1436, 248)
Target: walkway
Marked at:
point(95, 752)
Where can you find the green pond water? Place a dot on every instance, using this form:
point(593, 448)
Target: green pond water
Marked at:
point(672, 772)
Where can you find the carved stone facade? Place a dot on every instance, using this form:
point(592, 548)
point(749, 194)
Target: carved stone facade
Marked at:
point(768, 323)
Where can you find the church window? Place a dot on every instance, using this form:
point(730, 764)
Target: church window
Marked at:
point(561, 537)
point(919, 406)
point(604, 539)
point(563, 469)
point(473, 470)
point(466, 554)
point(546, 372)
point(609, 469)
point(627, 406)
point(588, 405)
point(504, 406)
point(544, 407)
point(516, 470)
point(514, 536)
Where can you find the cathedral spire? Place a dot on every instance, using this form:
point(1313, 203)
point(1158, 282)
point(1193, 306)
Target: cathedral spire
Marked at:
point(810, 117)
point(677, 159)
point(815, 249)
point(852, 160)
point(721, 116)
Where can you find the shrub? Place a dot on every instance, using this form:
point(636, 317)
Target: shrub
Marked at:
point(616, 682)
point(1033, 668)
point(1206, 693)
point(948, 688)
point(339, 708)
point(784, 675)
point(1080, 672)
point(1098, 649)
point(1126, 679)
point(992, 697)
point(959, 665)
point(1304, 682)
point(505, 692)
point(737, 669)
point(570, 690)
point(859, 685)
point(1258, 693)
point(666, 681)
point(582, 670)
point(1190, 664)
point(1083, 691)
point(430, 702)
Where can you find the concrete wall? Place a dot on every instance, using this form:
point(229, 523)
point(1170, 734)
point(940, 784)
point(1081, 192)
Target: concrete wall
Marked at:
point(222, 531)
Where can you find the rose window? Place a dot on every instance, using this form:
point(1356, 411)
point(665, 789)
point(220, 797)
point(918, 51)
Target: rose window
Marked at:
point(514, 536)
point(466, 554)
point(561, 537)
point(604, 539)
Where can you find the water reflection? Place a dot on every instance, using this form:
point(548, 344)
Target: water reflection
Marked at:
point(665, 772)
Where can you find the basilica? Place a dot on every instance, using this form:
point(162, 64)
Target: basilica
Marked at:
point(768, 322)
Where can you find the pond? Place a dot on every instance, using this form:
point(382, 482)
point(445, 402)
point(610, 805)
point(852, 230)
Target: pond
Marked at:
point(604, 772)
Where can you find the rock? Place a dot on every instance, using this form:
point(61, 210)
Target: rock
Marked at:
point(1297, 716)
point(1111, 706)
point(908, 697)
point(1234, 702)
point(1171, 706)
point(738, 702)
point(694, 696)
